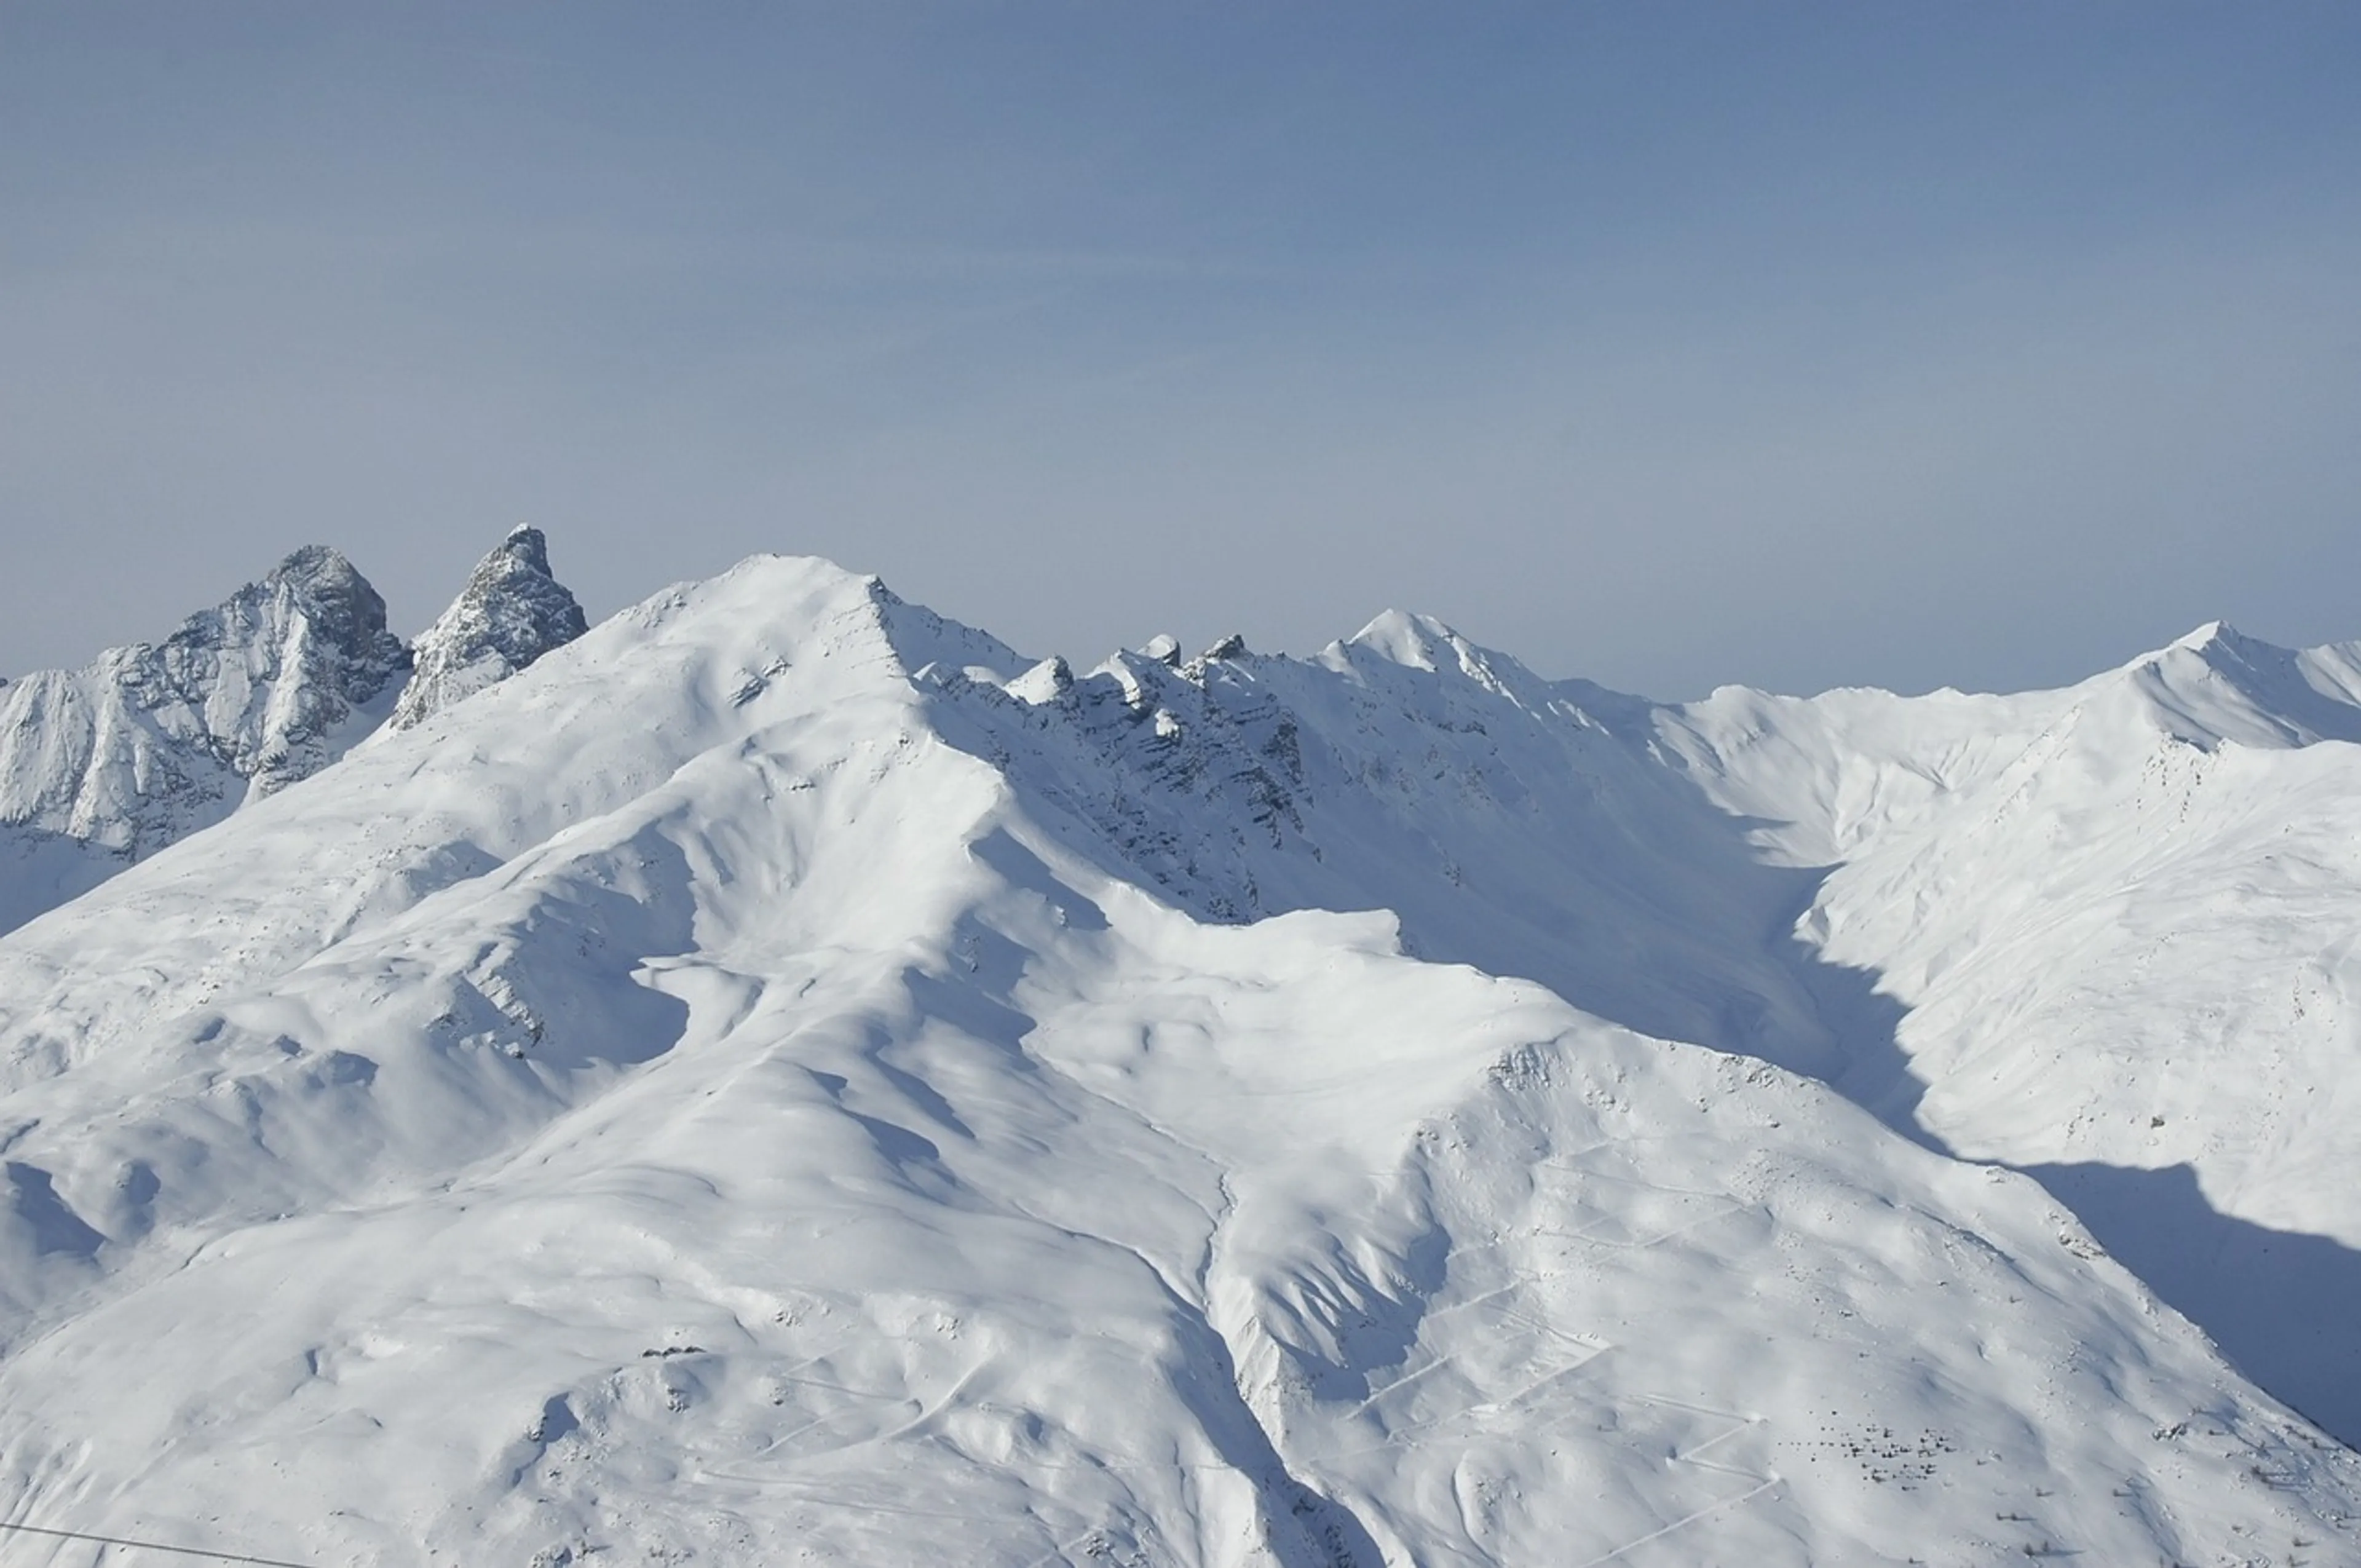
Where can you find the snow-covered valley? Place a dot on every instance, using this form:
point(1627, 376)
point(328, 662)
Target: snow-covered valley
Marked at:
point(780, 1077)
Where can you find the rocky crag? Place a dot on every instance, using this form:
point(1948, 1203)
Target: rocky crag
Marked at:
point(107, 764)
point(511, 613)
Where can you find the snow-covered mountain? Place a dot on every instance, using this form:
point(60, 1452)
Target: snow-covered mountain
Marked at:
point(511, 613)
point(783, 1078)
point(106, 764)
point(2118, 926)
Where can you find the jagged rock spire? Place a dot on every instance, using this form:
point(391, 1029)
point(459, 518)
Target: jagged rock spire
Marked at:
point(511, 613)
point(151, 742)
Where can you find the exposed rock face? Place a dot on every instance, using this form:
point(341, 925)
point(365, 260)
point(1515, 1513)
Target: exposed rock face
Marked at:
point(147, 744)
point(511, 613)
point(150, 742)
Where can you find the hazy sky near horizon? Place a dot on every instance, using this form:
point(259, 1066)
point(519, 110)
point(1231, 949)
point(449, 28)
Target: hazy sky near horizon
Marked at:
point(1666, 345)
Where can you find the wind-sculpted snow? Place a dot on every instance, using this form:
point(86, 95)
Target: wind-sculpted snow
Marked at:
point(2105, 929)
point(511, 612)
point(2118, 922)
point(1501, 822)
point(105, 764)
point(782, 1078)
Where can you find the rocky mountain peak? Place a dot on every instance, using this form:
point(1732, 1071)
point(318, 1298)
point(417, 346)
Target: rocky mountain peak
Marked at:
point(511, 613)
point(149, 742)
point(311, 639)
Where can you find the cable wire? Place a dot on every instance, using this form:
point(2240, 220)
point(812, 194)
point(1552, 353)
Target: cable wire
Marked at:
point(154, 1546)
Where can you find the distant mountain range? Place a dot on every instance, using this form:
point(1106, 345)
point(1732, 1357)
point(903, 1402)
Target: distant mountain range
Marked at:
point(779, 1075)
point(109, 763)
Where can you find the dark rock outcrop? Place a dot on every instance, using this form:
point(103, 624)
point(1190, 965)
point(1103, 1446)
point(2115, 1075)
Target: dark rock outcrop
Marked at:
point(511, 613)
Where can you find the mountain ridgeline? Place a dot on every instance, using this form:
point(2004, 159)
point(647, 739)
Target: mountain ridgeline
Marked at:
point(109, 763)
point(779, 1075)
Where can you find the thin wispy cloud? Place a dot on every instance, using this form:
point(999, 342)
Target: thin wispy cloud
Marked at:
point(1663, 346)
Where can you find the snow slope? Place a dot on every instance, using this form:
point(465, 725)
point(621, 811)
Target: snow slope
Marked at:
point(2103, 935)
point(782, 1078)
point(2120, 921)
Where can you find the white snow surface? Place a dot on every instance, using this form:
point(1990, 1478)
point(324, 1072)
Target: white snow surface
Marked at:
point(783, 1078)
point(2119, 930)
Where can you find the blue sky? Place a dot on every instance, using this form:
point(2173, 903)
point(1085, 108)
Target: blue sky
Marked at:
point(1801, 346)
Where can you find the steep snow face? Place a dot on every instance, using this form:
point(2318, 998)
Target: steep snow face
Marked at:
point(1501, 819)
point(2099, 934)
point(449, 805)
point(150, 742)
point(771, 1082)
point(2116, 926)
point(511, 612)
point(2021, 880)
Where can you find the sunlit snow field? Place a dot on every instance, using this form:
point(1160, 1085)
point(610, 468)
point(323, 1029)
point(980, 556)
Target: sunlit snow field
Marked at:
point(785, 1078)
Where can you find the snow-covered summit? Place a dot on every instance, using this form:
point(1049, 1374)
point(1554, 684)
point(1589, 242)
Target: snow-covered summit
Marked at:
point(150, 742)
point(511, 613)
point(784, 1076)
point(2218, 684)
point(2112, 927)
point(107, 764)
